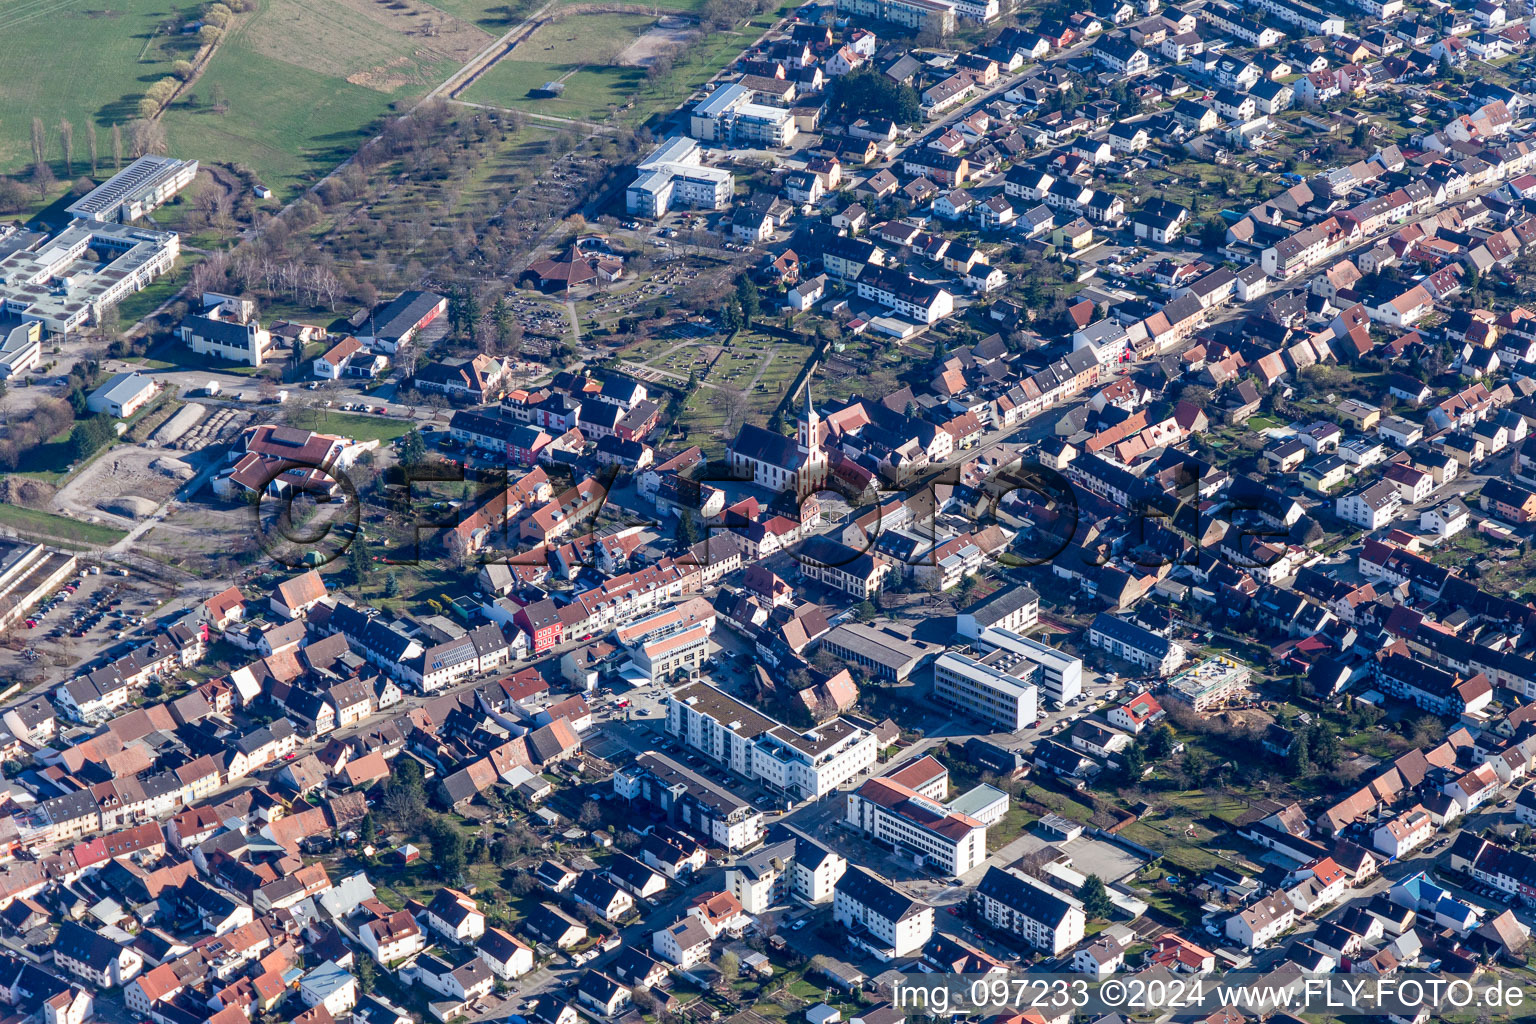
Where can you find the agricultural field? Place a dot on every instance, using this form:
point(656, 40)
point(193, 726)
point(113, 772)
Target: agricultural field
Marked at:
point(113, 52)
point(297, 86)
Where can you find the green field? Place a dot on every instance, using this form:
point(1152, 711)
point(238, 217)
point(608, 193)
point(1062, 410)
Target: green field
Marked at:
point(297, 87)
point(59, 529)
point(585, 59)
point(80, 61)
point(361, 428)
point(578, 52)
point(495, 16)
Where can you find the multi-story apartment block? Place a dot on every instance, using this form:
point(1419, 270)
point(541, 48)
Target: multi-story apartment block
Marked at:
point(887, 921)
point(734, 114)
point(801, 765)
point(1048, 920)
point(691, 800)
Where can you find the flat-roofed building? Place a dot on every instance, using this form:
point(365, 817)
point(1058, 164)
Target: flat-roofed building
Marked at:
point(674, 176)
point(1061, 674)
point(143, 186)
point(999, 687)
point(28, 572)
point(881, 652)
point(1211, 683)
point(734, 114)
point(53, 283)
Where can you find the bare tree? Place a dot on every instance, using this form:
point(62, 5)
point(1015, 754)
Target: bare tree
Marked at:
point(42, 179)
point(39, 142)
point(329, 285)
point(147, 136)
point(212, 274)
point(90, 139)
point(67, 144)
point(117, 147)
point(736, 404)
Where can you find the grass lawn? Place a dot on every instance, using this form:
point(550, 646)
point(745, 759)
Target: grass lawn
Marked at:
point(142, 303)
point(579, 52)
point(361, 428)
point(80, 62)
point(495, 16)
point(312, 121)
point(686, 6)
point(59, 529)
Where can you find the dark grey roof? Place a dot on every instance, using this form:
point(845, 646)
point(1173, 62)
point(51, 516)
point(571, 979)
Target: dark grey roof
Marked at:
point(877, 896)
point(402, 314)
point(1025, 896)
point(81, 944)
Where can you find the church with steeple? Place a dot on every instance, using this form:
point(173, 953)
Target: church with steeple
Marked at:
point(778, 463)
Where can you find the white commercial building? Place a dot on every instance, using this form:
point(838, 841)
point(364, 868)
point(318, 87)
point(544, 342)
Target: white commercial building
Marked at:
point(144, 185)
point(21, 349)
point(935, 834)
point(54, 283)
point(1061, 675)
point(999, 688)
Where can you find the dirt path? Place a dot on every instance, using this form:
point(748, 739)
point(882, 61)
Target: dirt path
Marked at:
point(480, 62)
point(530, 115)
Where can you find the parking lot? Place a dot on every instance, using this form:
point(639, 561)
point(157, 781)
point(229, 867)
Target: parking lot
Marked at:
point(85, 616)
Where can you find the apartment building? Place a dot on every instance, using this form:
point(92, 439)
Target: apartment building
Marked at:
point(734, 114)
point(1262, 922)
point(671, 642)
point(882, 918)
point(801, 765)
point(1130, 642)
point(1045, 918)
point(690, 801)
point(673, 177)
